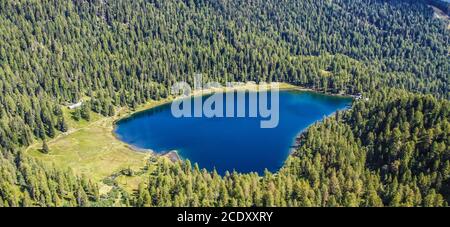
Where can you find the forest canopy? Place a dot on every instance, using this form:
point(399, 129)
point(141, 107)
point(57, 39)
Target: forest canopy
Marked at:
point(391, 150)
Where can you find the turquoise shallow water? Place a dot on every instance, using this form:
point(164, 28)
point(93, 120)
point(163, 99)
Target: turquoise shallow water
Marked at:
point(230, 143)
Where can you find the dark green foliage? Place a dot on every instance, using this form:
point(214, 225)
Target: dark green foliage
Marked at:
point(76, 114)
point(45, 149)
point(62, 125)
point(85, 112)
point(391, 150)
point(119, 53)
point(24, 182)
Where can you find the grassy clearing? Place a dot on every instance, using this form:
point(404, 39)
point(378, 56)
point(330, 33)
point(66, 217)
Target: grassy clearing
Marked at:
point(92, 151)
point(90, 148)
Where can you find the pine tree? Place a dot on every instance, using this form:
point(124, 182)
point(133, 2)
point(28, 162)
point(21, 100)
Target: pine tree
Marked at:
point(85, 112)
point(45, 149)
point(111, 111)
point(62, 125)
point(76, 115)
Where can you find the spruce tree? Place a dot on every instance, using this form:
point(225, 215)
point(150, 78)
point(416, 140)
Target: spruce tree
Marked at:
point(45, 149)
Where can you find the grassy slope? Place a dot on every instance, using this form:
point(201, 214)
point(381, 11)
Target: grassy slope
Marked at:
point(90, 148)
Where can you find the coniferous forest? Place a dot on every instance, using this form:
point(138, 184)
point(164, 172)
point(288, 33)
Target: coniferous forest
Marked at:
point(391, 149)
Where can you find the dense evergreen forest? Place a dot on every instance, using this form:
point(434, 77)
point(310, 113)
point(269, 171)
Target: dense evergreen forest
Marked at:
point(389, 151)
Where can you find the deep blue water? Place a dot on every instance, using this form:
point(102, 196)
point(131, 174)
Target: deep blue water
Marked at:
point(229, 143)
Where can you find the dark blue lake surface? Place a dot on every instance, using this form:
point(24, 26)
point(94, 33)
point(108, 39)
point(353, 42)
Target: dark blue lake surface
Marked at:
point(229, 143)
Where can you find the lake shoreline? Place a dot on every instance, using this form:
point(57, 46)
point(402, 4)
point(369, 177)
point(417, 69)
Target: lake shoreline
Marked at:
point(174, 156)
point(240, 86)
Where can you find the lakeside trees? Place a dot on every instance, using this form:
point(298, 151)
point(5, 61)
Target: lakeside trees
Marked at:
point(123, 53)
point(58, 53)
point(389, 151)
